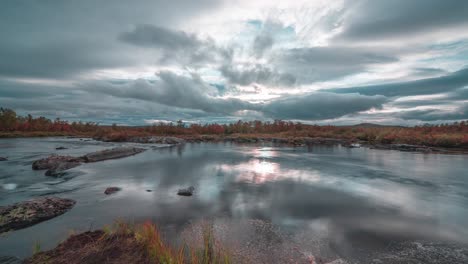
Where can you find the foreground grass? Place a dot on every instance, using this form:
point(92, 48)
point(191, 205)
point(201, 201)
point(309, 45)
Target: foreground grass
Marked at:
point(125, 243)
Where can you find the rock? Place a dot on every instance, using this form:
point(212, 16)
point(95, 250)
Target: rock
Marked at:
point(61, 167)
point(114, 153)
point(350, 145)
point(144, 139)
point(10, 260)
point(186, 192)
point(53, 161)
point(57, 165)
point(111, 190)
point(3, 159)
point(403, 147)
point(28, 213)
point(60, 148)
point(149, 190)
point(173, 140)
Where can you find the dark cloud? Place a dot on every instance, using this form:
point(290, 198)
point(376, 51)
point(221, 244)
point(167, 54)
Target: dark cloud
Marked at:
point(325, 63)
point(158, 37)
point(57, 60)
point(460, 94)
point(262, 42)
point(436, 114)
point(374, 19)
point(58, 39)
point(257, 74)
point(316, 106)
point(175, 91)
point(447, 83)
point(175, 46)
point(428, 72)
point(12, 89)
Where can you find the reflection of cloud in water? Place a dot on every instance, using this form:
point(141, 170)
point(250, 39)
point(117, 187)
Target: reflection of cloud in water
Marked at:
point(260, 171)
point(9, 186)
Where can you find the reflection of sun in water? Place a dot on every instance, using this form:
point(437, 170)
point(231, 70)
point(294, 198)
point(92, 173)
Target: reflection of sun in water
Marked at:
point(264, 152)
point(261, 171)
point(255, 170)
point(264, 167)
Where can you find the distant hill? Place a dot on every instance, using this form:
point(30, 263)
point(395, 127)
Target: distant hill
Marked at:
point(373, 125)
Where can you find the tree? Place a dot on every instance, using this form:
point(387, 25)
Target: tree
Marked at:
point(7, 119)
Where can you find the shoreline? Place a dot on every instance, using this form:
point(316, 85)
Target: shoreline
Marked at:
point(253, 139)
point(291, 141)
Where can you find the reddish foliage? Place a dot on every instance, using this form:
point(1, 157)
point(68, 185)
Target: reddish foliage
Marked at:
point(443, 135)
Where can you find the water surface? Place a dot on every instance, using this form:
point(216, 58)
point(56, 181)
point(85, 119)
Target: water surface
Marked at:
point(353, 201)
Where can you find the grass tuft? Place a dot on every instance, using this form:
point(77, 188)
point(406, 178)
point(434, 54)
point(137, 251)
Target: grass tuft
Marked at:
point(36, 247)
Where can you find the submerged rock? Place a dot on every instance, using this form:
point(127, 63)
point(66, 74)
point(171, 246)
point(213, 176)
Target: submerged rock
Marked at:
point(114, 153)
point(3, 159)
point(186, 192)
point(60, 148)
point(111, 190)
point(28, 213)
point(10, 260)
point(61, 168)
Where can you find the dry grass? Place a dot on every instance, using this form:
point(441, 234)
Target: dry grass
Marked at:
point(149, 238)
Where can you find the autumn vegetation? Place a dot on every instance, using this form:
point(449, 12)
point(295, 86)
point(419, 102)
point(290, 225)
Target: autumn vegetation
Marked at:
point(127, 243)
point(454, 135)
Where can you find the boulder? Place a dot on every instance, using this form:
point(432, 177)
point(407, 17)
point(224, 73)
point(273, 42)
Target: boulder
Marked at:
point(111, 190)
point(54, 161)
point(114, 153)
point(57, 165)
point(28, 213)
point(3, 159)
point(186, 192)
point(60, 148)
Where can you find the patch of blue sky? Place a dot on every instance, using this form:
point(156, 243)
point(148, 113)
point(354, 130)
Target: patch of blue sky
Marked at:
point(255, 23)
point(284, 37)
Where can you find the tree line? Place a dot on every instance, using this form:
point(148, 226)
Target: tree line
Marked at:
point(445, 135)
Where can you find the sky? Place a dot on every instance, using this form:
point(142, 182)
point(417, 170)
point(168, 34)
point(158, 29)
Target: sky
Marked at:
point(333, 62)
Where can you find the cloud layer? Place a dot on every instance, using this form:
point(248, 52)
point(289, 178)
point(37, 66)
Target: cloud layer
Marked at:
point(336, 61)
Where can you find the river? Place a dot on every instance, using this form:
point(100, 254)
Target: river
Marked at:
point(328, 200)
